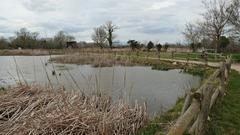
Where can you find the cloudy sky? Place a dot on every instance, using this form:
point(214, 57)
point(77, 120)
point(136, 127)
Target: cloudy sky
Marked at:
point(157, 20)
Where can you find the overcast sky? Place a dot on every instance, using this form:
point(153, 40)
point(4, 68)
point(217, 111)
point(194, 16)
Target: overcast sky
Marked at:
point(156, 20)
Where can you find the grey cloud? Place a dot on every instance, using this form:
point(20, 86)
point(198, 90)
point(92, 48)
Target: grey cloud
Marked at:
point(39, 5)
point(75, 29)
point(68, 27)
point(3, 18)
point(49, 25)
point(78, 17)
point(155, 30)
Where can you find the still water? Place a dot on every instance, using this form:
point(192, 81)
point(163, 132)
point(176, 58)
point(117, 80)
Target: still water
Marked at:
point(160, 89)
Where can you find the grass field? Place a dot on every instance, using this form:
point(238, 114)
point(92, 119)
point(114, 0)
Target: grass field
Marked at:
point(177, 55)
point(236, 57)
point(226, 117)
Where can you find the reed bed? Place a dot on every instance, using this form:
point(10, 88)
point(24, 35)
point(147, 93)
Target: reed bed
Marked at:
point(37, 110)
point(109, 60)
point(94, 59)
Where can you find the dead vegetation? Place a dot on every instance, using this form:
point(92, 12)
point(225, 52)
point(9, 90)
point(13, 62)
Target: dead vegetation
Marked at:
point(112, 59)
point(35, 110)
point(94, 59)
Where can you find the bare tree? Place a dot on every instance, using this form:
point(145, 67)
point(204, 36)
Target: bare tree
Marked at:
point(99, 36)
point(192, 35)
point(25, 39)
point(235, 17)
point(110, 29)
point(61, 38)
point(215, 19)
point(4, 43)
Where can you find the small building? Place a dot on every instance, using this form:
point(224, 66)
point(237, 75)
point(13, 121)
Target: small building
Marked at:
point(72, 44)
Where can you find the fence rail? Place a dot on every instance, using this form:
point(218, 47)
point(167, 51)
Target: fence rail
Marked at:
point(197, 106)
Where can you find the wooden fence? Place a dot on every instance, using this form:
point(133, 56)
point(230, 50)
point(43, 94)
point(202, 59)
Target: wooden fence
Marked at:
point(197, 106)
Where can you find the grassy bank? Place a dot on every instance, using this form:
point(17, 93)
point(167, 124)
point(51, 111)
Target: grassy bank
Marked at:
point(177, 55)
point(108, 60)
point(225, 120)
point(161, 123)
point(236, 57)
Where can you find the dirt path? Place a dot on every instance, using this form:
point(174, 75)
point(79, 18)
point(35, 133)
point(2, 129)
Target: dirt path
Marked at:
point(212, 64)
point(236, 67)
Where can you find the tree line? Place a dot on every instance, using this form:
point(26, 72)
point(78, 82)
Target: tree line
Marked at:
point(136, 45)
point(219, 24)
point(31, 40)
point(218, 27)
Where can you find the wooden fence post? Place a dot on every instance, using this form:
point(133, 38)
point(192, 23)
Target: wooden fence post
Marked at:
point(198, 127)
point(183, 122)
point(197, 105)
point(222, 79)
point(187, 102)
point(215, 96)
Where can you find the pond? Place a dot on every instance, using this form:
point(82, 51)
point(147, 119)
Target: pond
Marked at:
point(160, 89)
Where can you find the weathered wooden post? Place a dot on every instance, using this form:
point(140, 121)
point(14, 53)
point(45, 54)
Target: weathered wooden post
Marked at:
point(187, 102)
point(184, 120)
point(215, 96)
point(222, 79)
point(197, 105)
point(228, 67)
point(198, 127)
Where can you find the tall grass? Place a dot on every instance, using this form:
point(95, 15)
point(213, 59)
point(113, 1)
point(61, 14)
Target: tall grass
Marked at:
point(36, 110)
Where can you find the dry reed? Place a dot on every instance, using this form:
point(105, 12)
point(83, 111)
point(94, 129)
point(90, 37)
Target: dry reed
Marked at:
point(94, 59)
point(36, 110)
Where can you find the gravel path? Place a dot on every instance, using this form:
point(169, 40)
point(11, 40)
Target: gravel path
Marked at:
point(212, 64)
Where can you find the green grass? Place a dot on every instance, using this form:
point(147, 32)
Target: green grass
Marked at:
point(201, 71)
point(226, 116)
point(178, 56)
point(236, 57)
point(159, 124)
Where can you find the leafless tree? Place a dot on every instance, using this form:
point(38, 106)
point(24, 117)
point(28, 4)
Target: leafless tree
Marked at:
point(110, 28)
point(25, 39)
point(216, 18)
point(235, 17)
point(61, 38)
point(99, 36)
point(192, 35)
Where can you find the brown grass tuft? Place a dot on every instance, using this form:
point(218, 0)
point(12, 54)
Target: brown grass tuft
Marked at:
point(37, 110)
